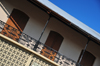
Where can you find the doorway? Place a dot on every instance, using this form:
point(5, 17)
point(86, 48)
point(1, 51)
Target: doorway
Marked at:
point(15, 24)
point(53, 41)
point(88, 59)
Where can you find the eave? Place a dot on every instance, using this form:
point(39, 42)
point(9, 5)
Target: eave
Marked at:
point(91, 34)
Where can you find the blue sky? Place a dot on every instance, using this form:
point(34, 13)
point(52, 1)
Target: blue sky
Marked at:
point(87, 11)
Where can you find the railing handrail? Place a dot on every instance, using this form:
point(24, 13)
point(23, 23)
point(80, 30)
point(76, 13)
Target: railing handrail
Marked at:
point(35, 41)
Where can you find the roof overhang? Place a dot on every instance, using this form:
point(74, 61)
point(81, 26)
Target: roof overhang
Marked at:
point(67, 19)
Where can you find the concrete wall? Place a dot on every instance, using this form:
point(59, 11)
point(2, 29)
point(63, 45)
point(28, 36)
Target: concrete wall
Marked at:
point(73, 42)
point(3, 15)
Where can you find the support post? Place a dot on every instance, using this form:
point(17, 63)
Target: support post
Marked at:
point(44, 28)
point(83, 51)
point(42, 33)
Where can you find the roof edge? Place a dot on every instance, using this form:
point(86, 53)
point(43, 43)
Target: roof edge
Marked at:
point(74, 24)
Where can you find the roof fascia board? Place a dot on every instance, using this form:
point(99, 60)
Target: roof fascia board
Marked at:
point(70, 18)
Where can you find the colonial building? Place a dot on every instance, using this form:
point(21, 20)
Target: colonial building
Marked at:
point(38, 33)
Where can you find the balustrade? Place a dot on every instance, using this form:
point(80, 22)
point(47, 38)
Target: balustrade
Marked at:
point(30, 43)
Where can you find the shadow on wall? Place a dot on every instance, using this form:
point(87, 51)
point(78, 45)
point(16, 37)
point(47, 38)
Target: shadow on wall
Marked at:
point(4, 9)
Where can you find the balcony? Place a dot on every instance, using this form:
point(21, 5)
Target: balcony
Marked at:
point(35, 45)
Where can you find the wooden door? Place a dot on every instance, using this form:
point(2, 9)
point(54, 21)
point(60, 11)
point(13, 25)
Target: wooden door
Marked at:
point(53, 41)
point(88, 59)
point(16, 20)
